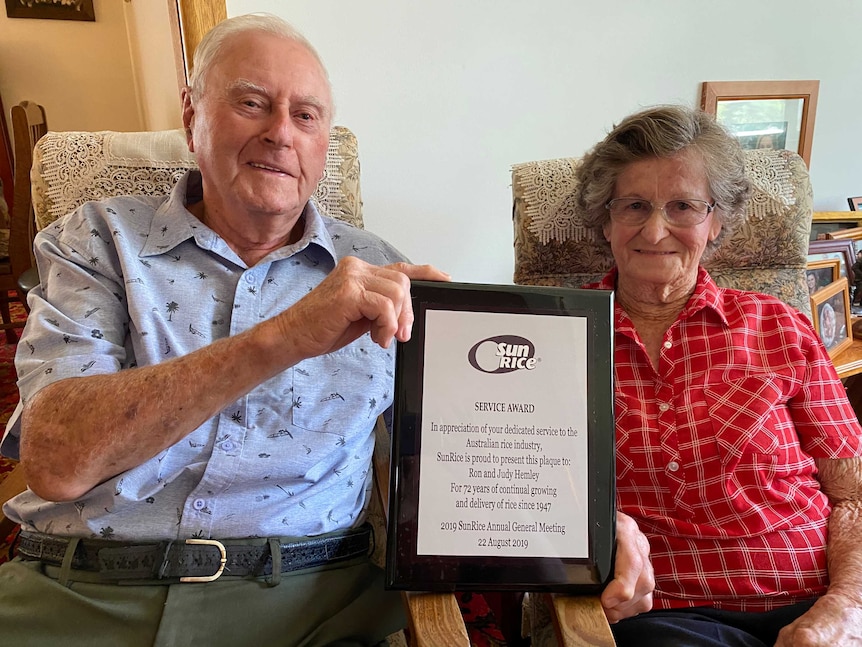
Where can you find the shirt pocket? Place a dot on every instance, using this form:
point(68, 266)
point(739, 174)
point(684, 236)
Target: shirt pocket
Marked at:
point(752, 428)
point(337, 391)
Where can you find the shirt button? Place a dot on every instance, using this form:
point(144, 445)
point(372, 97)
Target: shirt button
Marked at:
point(228, 446)
point(249, 278)
point(667, 344)
point(673, 466)
point(664, 406)
point(199, 504)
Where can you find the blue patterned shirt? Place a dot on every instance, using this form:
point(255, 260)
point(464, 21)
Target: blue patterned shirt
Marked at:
point(133, 281)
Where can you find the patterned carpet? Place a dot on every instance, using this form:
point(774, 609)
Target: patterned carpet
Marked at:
point(8, 397)
point(479, 619)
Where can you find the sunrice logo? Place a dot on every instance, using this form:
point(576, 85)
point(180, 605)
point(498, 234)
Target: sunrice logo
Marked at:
point(503, 354)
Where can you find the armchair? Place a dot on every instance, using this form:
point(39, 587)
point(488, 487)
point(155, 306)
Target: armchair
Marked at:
point(768, 253)
point(70, 168)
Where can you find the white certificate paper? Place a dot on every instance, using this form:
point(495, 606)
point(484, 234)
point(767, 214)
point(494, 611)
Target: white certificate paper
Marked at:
point(504, 436)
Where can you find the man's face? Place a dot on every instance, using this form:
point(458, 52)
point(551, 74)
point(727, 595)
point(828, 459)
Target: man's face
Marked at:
point(260, 128)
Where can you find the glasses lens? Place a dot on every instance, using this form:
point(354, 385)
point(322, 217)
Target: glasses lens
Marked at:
point(630, 209)
point(686, 212)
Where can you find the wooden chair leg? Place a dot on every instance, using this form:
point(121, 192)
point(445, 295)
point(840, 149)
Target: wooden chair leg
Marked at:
point(11, 335)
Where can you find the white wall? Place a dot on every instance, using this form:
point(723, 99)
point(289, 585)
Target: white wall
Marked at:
point(445, 96)
point(151, 49)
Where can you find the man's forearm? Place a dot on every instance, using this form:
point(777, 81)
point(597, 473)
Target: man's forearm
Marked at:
point(79, 432)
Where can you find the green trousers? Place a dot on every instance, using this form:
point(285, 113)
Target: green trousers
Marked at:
point(342, 605)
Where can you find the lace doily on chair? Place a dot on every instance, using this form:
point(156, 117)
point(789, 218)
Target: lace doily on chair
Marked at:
point(771, 179)
point(547, 189)
point(71, 168)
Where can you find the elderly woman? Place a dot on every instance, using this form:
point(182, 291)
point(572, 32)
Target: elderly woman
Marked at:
point(738, 454)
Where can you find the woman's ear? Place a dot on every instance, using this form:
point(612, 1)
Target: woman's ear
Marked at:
point(714, 229)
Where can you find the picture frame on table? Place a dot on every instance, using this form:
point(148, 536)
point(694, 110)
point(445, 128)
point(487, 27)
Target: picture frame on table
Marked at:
point(821, 273)
point(850, 233)
point(765, 114)
point(842, 249)
point(830, 310)
point(855, 203)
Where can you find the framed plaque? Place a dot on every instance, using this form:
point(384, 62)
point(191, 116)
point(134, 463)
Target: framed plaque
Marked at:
point(502, 470)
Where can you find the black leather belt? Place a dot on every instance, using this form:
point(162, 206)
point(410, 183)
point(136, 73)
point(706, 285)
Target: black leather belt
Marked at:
point(194, 560)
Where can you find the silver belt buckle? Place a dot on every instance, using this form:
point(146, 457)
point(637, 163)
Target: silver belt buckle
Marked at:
point(222, 560)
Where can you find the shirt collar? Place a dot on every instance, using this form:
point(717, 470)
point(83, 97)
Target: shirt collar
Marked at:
point(173, 224)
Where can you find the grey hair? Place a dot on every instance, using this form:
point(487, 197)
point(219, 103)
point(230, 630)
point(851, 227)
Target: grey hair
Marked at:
point(664, 131)
point(207, 52)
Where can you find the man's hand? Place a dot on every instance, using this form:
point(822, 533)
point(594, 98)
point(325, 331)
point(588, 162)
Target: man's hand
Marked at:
point(630, 592)
point(833, 620)
point(354, 299)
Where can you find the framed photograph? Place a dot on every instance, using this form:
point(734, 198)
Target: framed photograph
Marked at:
point(823, 222)
point(842, 249)
point(502, 470)
point(855, 203)
point(822, 273)
point(853, 234)
point(765, 114)
point(51, 9)
point(830, 308)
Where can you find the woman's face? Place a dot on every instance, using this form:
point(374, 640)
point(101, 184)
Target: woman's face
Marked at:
point(654, 253)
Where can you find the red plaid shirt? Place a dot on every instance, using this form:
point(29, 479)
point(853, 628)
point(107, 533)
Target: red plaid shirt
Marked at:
point(715, 449)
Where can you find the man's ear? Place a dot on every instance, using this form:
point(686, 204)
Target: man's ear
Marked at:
point(188, 116)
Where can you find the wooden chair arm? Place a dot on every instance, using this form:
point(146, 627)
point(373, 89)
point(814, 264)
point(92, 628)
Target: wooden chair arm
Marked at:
point(435, 619)
point(579, 621)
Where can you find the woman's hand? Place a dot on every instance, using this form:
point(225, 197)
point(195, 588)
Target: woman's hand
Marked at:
point(834, 620)
point(630, 592)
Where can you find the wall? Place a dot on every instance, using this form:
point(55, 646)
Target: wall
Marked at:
point(152, 55)
point(116, 73)
point(445, 96)
point(81, 72)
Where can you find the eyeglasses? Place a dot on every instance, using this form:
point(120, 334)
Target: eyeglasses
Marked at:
point(679, 213)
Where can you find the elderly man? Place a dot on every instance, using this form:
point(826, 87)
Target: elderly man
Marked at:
point(230, 349)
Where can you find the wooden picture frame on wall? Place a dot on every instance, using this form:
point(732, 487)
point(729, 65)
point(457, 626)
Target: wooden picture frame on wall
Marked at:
point(765, 114)
point(51, 9)
point(830, 310)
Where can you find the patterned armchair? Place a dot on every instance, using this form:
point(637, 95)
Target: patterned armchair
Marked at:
point(768, 252)
point(70, 168)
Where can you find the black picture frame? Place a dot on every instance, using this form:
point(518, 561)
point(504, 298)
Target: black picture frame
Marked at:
point(592, 312)
point(51, 9)
point(855, 203)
